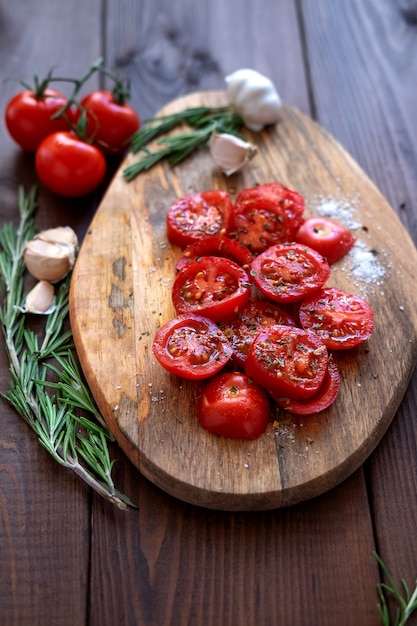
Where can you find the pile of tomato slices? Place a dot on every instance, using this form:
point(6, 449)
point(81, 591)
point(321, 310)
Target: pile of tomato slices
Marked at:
point(255, 319)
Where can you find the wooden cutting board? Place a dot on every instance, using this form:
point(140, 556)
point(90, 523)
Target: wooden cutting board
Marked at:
point(120, 295)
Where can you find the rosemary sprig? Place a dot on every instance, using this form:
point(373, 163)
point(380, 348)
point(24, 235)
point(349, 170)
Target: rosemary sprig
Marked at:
point(406, 602)
point(202, 121)
point(46, 387)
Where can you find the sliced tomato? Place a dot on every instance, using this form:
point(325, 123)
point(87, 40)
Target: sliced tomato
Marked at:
point(196, 216)
point(341, 320)
point(259, 227)
point(321, 400)
point(291, 202)
point(289, 272)
point(234, 406)
point(287, 360)
point(216, 246)
point(192, 347)
point(254, 317)
point(331, 239)
point(212, 286)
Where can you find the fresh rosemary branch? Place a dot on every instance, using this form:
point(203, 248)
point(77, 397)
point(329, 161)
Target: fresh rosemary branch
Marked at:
point(202, 121)
point(406, 603)
point(46, 387)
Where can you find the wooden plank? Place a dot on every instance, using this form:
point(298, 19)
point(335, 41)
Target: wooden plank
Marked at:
point(44, 510)
point(368, 69)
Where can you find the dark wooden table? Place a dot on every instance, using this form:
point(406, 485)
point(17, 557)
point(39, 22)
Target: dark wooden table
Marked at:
point(66, 556)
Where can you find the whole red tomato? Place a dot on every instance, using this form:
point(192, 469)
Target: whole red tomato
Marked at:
point(69, 166)
point(111, 121)
point(28, 117)
point(234, 406)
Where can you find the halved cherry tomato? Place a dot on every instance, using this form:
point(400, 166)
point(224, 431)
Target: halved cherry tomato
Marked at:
point(212, 286)
point(287, 360)
point(254, 317)
point(111, 122)
point(290, 201)
point(28, 116)
point(331, 239)
point(216, 246)
point(321, 400)
point(69, 166)
point(192, 347)
point(289, 272)
point(199, 215)
point(341, 320)
point(234, 406)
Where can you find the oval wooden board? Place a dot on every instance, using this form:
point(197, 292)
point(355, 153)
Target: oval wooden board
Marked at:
point(120, 295)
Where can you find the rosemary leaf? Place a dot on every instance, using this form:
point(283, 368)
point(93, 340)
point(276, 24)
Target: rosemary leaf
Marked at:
point(202, 122)
point(405, 601)
point(77, 442)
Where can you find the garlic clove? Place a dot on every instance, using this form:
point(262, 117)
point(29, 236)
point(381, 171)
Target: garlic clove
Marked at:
point(41, 299)
point(230, 153)
point(61, 235)
point(254, 98)
point(48, 261)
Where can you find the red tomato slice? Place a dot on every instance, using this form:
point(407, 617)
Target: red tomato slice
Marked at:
point(290, 201)
point(259, 227)
point(216, 246)
point(289, 272)
point(321, 400)
point(287, 360)
point(340, 319)
point(234, 406)
point(199, 215)
point(331, 239)
point(192, 347)
point(254, 317)
point(212, 286)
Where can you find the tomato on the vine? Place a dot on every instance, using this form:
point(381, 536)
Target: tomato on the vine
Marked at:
point(288, 360)
point(331, 239)
point(233, 405)
point(29, 114)
point(341, 320)
point(289, 272)
point(192, 347)
point(321, 400)
point(68, 165)
point(212, 286)
point(198, 215)
point(111, 121)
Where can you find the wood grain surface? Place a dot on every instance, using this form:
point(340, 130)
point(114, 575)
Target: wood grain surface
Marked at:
point(120, 296)
point(69, 558)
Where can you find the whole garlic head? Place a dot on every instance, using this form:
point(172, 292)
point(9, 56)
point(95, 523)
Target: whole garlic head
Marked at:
point(230, 153)
point(254, 98)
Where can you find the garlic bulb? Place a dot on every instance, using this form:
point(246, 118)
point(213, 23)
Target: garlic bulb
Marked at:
point(50, 255)
point(254, 98)
point(41, 299)
point(61, 235)
point(230, 153)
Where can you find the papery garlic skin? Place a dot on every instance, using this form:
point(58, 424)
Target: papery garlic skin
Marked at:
point(41, 299)
point(230, 153)
point(48, 261)
point(254, 98)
